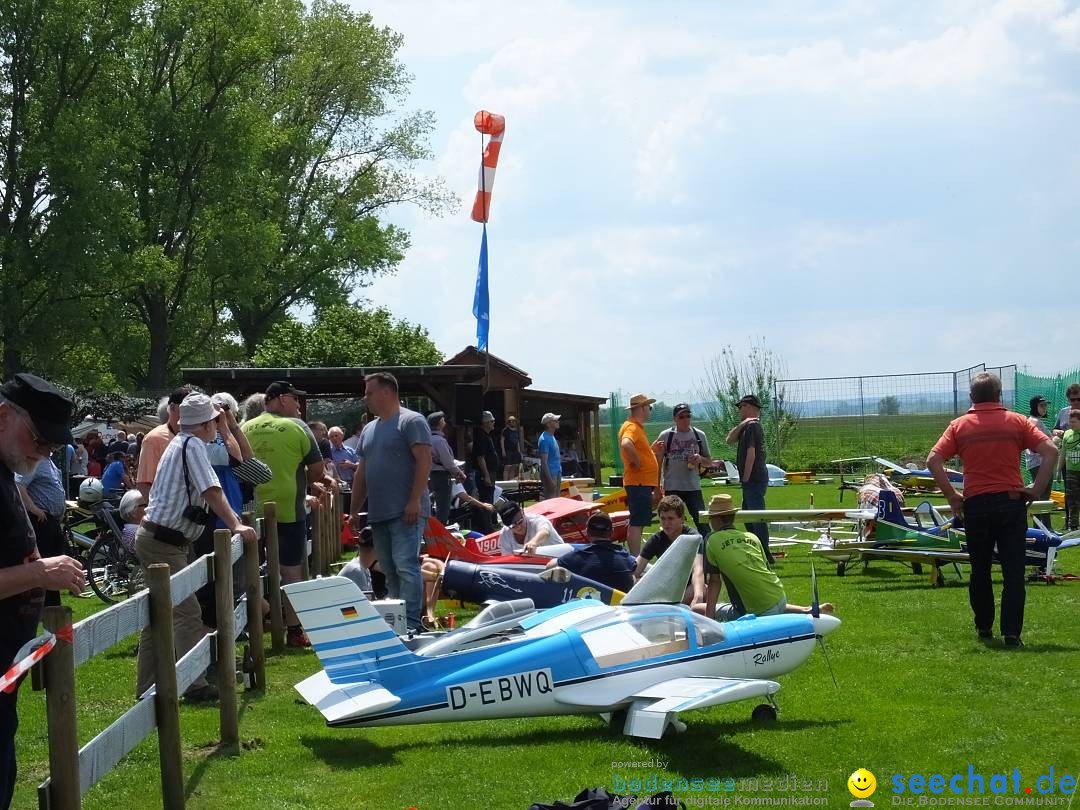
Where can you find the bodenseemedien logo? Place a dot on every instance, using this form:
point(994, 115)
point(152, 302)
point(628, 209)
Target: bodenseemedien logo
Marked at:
point(862, 784)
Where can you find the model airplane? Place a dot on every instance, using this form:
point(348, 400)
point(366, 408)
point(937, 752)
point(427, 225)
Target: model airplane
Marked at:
point(930, 538)
point(643, 662)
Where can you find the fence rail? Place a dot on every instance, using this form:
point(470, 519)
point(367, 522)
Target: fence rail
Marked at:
point(74, 771)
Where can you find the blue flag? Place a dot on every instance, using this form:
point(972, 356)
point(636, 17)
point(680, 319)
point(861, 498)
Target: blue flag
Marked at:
point(480, 307)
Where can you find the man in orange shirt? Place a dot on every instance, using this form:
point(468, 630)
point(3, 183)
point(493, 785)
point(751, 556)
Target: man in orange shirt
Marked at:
point(989, 439)
point(155, 442)
point(641, 473)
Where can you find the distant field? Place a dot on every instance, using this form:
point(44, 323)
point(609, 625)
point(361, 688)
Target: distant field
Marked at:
point(819, 440)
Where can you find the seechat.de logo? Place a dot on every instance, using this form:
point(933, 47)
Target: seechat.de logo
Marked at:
point(862, 785)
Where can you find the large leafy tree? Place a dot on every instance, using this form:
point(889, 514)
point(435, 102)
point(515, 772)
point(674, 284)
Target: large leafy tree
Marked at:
point(304, 227)
point(177, 175)
point(59, 62)
point(347, 335)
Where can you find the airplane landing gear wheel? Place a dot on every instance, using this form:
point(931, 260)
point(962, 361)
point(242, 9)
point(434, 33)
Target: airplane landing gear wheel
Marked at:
point(617, 721)
point(841, 567)
point(763, 713)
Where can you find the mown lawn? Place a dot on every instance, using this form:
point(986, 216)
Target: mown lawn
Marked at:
point(916, 694)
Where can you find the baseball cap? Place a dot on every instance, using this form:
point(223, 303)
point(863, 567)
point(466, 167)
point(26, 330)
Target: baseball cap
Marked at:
point(282, 388)
point(599, 525)
point(682, 406)
point(749, 399)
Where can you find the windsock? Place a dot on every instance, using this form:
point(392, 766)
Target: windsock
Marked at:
point(30, 653)
point(494, 125)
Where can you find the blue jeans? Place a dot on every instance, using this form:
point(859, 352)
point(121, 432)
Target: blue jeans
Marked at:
point(996, 518)
point(753, 497)
point(397, 545)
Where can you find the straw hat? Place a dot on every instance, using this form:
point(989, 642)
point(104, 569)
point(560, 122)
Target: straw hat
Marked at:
point(722, 505)
point(639, 399)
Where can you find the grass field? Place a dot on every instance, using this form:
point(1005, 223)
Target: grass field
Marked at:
point(819, 440)
point(917, 693)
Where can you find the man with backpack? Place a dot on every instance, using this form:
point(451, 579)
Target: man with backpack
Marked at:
point(683, 450)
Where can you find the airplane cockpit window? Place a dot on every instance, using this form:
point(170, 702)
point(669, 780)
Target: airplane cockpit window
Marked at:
point(639, 638)
point(706, 632)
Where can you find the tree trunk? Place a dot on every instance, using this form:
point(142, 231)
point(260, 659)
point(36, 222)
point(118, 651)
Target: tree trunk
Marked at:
point(157, 370)
point(12, 357)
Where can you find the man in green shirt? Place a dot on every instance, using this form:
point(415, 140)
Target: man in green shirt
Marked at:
point(736, 558)
point(1070, 467)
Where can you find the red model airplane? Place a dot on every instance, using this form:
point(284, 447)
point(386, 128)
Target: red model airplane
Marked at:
point(567, 515)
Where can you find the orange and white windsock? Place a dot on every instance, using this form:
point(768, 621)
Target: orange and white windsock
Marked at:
point(32, 652)
point(487, 124)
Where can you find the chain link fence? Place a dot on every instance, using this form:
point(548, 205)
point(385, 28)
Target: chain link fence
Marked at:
point(897, 416)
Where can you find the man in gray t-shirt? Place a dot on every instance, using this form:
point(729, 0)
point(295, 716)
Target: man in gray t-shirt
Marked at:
point(683, 449)
point(392, 474)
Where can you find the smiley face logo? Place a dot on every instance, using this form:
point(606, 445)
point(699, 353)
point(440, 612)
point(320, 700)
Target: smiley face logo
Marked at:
point(862, 784)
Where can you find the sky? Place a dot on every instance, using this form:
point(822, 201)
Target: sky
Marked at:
point(866, 187)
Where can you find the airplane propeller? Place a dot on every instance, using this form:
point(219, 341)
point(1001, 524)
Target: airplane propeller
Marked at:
point(815, 611)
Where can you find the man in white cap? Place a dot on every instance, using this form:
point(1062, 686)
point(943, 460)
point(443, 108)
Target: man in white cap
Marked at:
point(641, 471)
point(185, 484)
point(547, 447)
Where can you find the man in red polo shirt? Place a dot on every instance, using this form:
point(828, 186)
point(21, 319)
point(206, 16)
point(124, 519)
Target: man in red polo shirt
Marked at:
point(989, 440)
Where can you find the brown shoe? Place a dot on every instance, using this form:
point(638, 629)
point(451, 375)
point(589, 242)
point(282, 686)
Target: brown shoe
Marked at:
point(296, 638)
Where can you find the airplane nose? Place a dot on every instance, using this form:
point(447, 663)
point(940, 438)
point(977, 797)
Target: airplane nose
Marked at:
point(825, 624)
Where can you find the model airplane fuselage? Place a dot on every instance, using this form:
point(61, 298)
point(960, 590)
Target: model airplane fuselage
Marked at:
point(652, 661)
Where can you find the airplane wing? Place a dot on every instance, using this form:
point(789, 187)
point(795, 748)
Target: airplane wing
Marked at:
point(655, 706)
point(929, 555)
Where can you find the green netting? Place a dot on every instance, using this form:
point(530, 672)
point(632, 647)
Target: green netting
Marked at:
point(1053, 388)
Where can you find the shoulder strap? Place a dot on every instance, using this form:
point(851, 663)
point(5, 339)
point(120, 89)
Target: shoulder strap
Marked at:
point(183, 461)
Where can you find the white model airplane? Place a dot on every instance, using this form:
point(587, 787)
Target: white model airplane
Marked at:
point(648, 659)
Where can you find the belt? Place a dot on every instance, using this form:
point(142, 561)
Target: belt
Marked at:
point(163, 533)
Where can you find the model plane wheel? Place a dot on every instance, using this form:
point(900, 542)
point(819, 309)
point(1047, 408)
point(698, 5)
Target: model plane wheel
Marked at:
point(916, 568)
point(618, 721)
point(763, 713)
point(841, 567)
point(675, 725)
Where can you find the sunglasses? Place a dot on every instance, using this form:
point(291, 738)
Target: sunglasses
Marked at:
point(683, 415)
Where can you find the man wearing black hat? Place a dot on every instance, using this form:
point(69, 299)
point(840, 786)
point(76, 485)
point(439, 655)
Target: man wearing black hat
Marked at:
point(602, 560)
point(1032, 460)
point(750, 461)
point(287, 446)
point(155, 442)
point(35, 420)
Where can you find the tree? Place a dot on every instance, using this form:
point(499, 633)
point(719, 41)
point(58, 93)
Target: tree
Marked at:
point(59, 63)
point(347, 335)
point(888, 406)
point(729, 377)
point(303, 228)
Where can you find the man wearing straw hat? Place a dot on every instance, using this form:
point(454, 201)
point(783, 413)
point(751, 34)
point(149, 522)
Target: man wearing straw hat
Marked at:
point(735, 557)
point(641, 471)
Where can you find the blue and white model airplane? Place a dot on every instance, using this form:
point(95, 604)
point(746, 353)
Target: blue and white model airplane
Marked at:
point(648, 659)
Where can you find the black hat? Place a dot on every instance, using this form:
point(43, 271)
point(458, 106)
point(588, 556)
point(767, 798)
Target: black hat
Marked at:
point(281, 388)
point(682, 406)
point(434, 418)
point(599, 525)
point(509, 512)
point(749, 399)
point(47, 407)
point(1035, 402)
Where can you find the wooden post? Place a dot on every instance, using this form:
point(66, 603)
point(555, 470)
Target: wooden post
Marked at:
point(166, 700)
point(273, 576)
point(253, 589)
point(59, 674)
point(316, 544)
point(225, 637)
point(336, 524)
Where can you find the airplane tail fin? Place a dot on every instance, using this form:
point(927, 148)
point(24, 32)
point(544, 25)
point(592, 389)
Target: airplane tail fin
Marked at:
point(888, 509)
point(666, 580)
point(351, 638)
